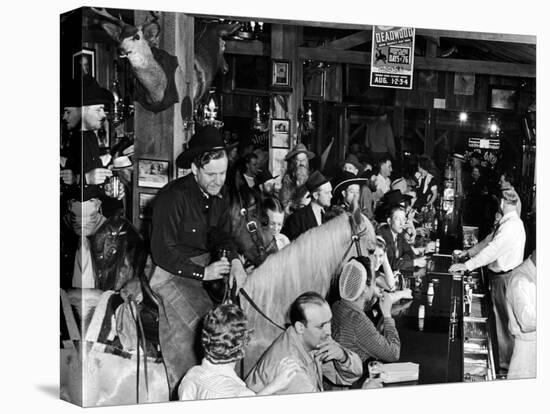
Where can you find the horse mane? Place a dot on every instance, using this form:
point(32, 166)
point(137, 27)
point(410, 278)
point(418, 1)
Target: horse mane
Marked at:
point(317, 252)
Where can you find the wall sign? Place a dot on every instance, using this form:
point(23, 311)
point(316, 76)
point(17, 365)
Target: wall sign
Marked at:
point(392, 57)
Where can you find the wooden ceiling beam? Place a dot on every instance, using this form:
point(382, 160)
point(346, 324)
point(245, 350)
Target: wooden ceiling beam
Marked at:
point(494, 37)
point(350, 41)
point(429, 63)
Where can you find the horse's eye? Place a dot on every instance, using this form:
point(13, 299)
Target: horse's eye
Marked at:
point(136, 37)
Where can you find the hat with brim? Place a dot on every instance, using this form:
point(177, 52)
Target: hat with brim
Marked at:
point(347, 179)
point(121, 163)
point(367, 174)
point(315, 180)
point(299, 149)
point(93, 94)
point(394, 198)
point(129, 150)
point(264, 176)
point(353, 160)
point(204, 140)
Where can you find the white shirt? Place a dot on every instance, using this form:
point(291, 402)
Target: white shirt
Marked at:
point(281, 240)
point(317, 212)
point(251, 181)
point(502, 250)
point(383, 184)
point(209, 380)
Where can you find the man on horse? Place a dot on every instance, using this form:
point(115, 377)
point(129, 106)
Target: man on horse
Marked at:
point(191, 225)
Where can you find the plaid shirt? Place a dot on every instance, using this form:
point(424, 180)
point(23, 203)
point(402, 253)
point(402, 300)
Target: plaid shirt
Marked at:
point(356, 332)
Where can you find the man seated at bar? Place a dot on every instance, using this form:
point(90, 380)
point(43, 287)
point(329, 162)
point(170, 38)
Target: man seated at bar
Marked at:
point(351, 326)
point(501, 251)
point(308, 341)
point(224, 337)
point(399, 251)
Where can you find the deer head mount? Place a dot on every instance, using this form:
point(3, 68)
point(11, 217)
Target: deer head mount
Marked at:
point(158, 73)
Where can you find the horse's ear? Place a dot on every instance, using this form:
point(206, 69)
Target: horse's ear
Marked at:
point(357, 217)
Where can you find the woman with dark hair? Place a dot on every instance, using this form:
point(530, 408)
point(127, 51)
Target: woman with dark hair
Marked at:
point(426, 193)
point(224, 336)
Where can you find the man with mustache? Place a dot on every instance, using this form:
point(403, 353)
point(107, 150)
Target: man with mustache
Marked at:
point(295, 177)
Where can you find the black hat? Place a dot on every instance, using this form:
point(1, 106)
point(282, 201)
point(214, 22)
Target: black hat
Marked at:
point(346, 179)
point(93, 94)
point(394, 198)
point(367, 174)
point(206, 139)
point(71, 95)
point(353, 160)
point(315, 180)
point(263, 176)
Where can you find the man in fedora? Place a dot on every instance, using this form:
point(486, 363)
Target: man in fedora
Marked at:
point(296, 176)
point(399, 251)
point(348, 190)
point(268, 185)
point(191, 226)
point(351, 164)
point(312, 215)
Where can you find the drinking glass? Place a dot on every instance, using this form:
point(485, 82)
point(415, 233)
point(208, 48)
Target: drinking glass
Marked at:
point(375, 369)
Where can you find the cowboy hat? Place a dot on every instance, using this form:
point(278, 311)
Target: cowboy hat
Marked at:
point(345, 180)
point(315, 180)
point(298, 149)
point(263, 176)
point(122, 162)
point(204, 140)
point(353, 160)
point(394, 198)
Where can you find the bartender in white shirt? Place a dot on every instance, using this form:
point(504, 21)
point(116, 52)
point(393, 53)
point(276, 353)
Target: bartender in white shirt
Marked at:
point(501, 251)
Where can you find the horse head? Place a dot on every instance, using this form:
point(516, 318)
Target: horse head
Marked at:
point(119, 253)
point(365, 231)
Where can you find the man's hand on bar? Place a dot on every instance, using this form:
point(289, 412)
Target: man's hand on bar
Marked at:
point(457, 268)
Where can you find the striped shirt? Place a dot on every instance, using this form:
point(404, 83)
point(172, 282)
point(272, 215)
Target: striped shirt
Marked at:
point(207, 381)
point(355, 331)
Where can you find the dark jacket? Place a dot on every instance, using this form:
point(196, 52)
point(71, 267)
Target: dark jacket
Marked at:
point(405, 258)
point(186, 224)
point(299, 222)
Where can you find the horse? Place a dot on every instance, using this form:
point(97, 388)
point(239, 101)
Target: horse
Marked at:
point(312, 262)
point(103, 330)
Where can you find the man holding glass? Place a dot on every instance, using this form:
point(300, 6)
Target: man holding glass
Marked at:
point(191, 226)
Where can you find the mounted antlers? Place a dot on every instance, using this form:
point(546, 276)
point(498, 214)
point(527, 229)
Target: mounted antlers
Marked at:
point(158, 72)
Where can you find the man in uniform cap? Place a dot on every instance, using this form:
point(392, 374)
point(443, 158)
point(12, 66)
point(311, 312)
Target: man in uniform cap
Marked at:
point(312, 215)
point(191, 225)
point(295, 177)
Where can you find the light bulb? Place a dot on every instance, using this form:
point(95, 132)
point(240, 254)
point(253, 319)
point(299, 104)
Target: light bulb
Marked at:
point(463, 117)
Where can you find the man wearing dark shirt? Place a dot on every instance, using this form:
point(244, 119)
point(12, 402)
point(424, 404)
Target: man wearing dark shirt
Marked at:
point(191, 224)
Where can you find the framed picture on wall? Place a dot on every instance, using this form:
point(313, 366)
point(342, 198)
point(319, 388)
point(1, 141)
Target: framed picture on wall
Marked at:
point(153, 173)
point(84, 63)
point(146, 206)
point(503, 98)
point(280, 133)
point(280, 73)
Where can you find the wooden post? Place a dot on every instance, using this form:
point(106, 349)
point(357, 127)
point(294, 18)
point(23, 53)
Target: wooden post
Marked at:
point(161, 136)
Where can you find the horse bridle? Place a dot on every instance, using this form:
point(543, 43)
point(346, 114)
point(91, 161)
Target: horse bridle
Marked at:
point(355, 239)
